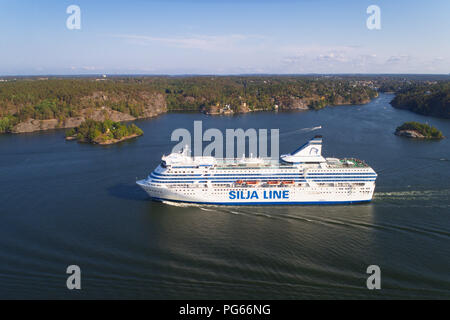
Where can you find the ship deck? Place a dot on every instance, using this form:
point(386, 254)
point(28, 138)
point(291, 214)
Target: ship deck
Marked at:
point(249, 163)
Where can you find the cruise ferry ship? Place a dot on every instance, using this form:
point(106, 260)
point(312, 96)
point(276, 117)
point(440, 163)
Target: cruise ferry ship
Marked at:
point(301, 177)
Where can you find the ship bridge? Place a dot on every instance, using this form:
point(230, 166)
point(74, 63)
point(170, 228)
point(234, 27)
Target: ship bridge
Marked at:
point(184, 159)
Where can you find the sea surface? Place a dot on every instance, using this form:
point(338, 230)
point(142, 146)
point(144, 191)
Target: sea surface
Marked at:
point(66, 203)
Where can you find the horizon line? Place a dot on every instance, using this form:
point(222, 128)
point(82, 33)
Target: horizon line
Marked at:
point(218, 75)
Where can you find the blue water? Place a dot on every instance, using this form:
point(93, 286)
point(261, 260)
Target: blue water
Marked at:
point(65, 203)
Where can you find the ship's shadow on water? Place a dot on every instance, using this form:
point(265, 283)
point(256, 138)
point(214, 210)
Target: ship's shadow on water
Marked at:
point(128, 191)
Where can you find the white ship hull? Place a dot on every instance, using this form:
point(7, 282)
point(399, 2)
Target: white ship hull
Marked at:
point(301, 177)
point(262, 196)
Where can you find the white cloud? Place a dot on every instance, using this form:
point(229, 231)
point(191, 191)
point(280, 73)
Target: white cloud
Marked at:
point(398, 59)
point(246, 53)
point(357, 59)
point(90, 68)
point(203, 42)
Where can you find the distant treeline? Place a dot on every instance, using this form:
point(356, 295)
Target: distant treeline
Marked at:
point(60, 98)
point(56, 98)
point(430, 100)
point(262, 93)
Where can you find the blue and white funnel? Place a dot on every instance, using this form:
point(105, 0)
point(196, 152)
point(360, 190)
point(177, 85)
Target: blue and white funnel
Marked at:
point(309, 152)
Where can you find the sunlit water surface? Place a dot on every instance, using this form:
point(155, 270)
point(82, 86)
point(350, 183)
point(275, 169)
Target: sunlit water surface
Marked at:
point(64, 203)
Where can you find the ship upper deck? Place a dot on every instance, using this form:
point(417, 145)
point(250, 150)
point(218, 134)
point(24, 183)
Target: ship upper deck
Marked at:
point(307, 156)
point(265, 163)
point(276, 164)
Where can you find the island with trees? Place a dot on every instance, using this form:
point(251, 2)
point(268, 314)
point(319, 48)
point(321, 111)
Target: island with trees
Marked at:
point(430, 100)
point(103, 132)
point(418, 130)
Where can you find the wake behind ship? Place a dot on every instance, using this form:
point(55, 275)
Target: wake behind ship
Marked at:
point(301, 177)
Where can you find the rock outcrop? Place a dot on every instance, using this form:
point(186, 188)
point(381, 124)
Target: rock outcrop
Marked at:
point(297, 104)
point(155, 105)
point(410, 134)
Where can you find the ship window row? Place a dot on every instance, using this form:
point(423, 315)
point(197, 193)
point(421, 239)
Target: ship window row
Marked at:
point(292, 177)
point(192, 183)
point(340, 170)
point(229, 174)
point(356, 181)
point(247, 177)
point(198, 177)
point(218, 180)
point(342, 173)
point(178, 175)
point(273, 173)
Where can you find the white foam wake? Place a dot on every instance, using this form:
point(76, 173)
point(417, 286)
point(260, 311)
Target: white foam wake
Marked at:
point(178, 204)
point(301, 130)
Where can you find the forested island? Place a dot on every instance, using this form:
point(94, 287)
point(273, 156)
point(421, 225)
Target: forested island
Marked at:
point(30, 104)
point(34, 104)
point(430, 100)
point(418, 130)
point(103, 132)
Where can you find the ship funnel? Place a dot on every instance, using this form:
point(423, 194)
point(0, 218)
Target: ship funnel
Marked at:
point(309, 152)
point(312, 148)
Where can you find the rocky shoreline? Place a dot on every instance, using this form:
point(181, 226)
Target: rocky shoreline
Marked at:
point(294, 104)
point(107, 142)
point(156, 107)
point(113, 141)
point(414, 134)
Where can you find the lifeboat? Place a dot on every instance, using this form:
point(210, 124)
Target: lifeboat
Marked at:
point(273, 182)
point(287, 182)
point(251, 182)
point(239, 182)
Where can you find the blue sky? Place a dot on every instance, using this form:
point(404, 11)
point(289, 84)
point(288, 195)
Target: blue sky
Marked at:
point(224, 37)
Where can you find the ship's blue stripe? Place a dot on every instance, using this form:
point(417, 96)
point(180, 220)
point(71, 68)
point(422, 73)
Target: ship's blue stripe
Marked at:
point(339, 173)
point(295, 178)
point(228, 178)
point(264, 174)
point(214, 181)
point(227, 181)
point(266, 203)
point(226, 174)
point(265, 178)
point(184, 167)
